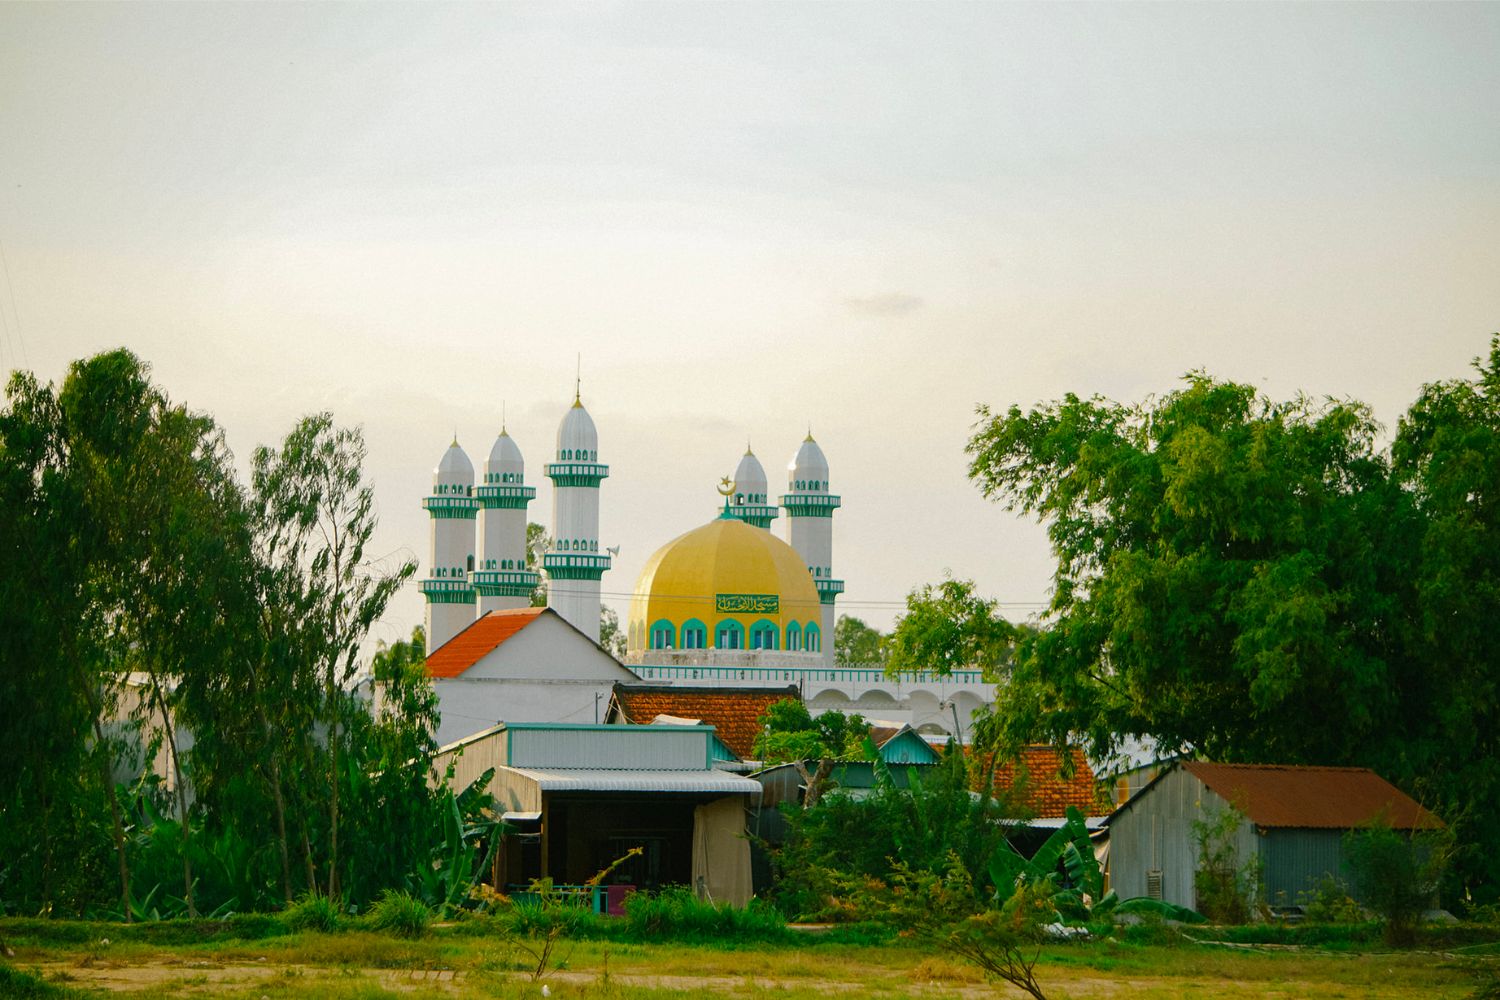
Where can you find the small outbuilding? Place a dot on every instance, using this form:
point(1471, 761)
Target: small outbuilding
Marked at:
point(580, 797)
point(1295, 821)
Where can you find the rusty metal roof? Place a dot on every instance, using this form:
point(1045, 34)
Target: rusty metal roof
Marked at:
point(734, 712)
point(1337, 798)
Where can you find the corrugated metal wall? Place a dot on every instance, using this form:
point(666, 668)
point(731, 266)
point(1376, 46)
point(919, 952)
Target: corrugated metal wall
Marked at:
point(645, 748)
point(1156, 832)
point(1296, 859)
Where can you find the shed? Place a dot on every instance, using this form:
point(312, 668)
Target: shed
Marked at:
point(1295, 821)
point(581, 796)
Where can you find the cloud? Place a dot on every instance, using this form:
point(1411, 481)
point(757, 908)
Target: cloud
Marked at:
point(889, 304)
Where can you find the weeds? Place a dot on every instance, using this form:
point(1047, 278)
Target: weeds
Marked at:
point(312, 912)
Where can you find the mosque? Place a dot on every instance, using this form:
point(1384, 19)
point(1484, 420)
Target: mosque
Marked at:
point(728, 603)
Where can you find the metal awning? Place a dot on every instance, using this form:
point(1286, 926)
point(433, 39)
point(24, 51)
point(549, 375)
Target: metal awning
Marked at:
point(521, 817)
point(599, 780)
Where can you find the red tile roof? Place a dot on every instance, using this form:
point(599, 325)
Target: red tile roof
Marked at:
point(1336, 798)
point(1042, 791)
point(733, 712)
point(471, 645)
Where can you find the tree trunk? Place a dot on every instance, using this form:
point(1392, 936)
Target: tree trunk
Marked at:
point(108, 781)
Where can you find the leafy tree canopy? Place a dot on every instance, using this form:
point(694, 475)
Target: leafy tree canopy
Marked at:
point(856, 644)
point(949, 627)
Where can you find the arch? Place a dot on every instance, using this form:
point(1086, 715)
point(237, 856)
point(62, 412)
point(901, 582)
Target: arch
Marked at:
point(729, 634)
point(794, 638)
point(764, 635)
point(830, 698)
point(812, 638)
point(877, 698)
point(663, 634)
point(694, 634)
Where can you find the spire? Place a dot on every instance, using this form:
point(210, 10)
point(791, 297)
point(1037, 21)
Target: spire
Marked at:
point(578, 382)
point(809, 433)
point(726, 490)
point(747, 448)
point(502, 419)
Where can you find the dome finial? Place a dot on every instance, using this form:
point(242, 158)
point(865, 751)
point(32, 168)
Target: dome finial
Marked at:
point(747, 447)
point(578, 382)
point(502, 418)
point(726, 490)
point(455, 438)
point(809, 433)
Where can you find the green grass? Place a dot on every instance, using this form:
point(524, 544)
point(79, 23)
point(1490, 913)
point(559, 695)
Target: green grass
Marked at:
point(479, 957)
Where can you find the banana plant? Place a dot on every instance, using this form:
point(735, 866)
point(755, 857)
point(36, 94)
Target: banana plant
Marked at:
point(1081, 899)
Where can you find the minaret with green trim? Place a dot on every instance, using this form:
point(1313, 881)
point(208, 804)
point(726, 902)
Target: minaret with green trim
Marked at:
point(576, 563)
point(748, 502)
point(449, 593)
point(809, 518)
point(501, 580)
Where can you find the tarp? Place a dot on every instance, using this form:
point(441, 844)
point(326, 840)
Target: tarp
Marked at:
point(721, 851)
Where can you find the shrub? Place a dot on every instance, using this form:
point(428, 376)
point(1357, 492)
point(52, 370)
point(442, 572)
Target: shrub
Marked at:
point(312, 912)
point(1225, 887)
point(1396, 875)
point(401, 913)
point(1329, 903)
point(678, 914)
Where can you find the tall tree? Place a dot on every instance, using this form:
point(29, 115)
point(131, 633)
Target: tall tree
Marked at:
point(317, 511)
point(1447, 454)
point(1226, 571)
point(537, 544)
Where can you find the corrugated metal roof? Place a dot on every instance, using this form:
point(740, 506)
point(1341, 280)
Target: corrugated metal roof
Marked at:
point(467, 648)
point(590, 780)
point(1312, 797)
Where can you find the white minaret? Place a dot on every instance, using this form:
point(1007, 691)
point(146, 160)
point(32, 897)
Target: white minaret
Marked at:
point(450, 598)
point(809, 519)
point(748, 501)
point(576, 563)
point(501, 579)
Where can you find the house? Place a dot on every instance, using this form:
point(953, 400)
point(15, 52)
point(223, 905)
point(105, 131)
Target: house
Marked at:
point(734, 712)
point(1295, 820)
point(525, 665)
point(580, 797)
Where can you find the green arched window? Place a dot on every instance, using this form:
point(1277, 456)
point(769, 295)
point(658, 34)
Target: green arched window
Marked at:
point(694, 634)
point(764, 635)
point(794, 638)
point(812, 638)
point(729, 634)
point(662, 634)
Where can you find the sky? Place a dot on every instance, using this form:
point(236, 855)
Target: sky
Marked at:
point(740, 221)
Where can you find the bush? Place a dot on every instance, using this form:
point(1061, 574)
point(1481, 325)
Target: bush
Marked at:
point(1329, 903)
point(401, 913)
point(1225, 888)
point(1396, 875)
point(676, 913)
point(312, 912)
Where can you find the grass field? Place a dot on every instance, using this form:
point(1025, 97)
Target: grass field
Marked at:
point(57, 959)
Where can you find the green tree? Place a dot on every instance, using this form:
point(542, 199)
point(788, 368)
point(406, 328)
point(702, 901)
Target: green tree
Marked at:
point(790, 735)
point(611, 638)
point(1447, 456)
point(949, 627)
point(1226, 571)
point(318, 515)
point(856, 644)
point(537, 544)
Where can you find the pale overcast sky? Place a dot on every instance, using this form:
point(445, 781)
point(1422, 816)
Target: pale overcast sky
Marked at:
point(747, 219)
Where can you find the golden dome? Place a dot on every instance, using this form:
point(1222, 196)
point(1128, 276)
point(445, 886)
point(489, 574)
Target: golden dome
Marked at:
point(725, 571)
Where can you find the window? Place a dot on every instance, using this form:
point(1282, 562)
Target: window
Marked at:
point(763, 635)
point(662, 633)
point(694, 634)
point(794, 638)
point(730, 635)
point(471, 564)
point(812, 639)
